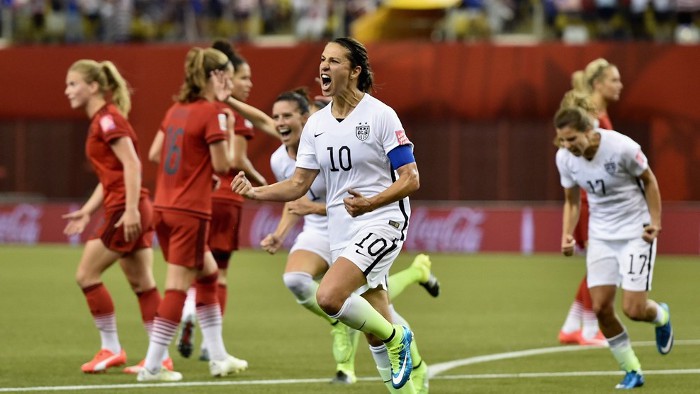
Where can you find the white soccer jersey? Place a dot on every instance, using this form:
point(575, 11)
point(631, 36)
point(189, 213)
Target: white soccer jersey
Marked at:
point(283, 167)
point(618, 208)
point(352, 154)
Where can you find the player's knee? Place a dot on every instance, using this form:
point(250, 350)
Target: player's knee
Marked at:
point(328, 301)
point(300, 284)
point(85, 278)
point(603, 311)
point(635, 312)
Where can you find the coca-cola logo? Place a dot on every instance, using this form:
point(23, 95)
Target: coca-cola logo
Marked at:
point(265, 222)
point(459, 231)
point(21, 225)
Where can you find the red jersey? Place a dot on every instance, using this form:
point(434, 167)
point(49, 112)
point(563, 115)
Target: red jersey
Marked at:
point(185, 173)
point(244, 128)
point(106, 126)
point(604, 121)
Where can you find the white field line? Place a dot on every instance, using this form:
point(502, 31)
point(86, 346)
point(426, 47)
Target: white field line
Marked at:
point(435, 369)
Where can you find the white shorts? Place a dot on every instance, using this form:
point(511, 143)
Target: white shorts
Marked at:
point(373, 250)
point(628, 264)
point(315, 242)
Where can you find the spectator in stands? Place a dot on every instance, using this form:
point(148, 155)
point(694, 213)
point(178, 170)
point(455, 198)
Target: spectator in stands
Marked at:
point(311, 19)
point(650, 19)
point(687, 31)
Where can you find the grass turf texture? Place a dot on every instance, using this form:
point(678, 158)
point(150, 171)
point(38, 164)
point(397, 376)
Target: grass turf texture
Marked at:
point(489, 304)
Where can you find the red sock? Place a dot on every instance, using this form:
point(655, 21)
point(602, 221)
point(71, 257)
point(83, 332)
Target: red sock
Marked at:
point(98, 299)
point(586, 299)
point(170, 307)
point(222, 292)
point(206, 290)
point(149, 301)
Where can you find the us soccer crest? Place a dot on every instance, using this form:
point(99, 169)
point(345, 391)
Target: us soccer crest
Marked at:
point(362, 131)
point(611, 167)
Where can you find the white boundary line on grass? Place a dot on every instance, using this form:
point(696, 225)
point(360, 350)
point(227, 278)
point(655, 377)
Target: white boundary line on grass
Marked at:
point(435, 369)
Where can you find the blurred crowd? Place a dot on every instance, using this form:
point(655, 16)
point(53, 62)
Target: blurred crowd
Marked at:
point(79, 21)
point(576, 21)
point(119, 21)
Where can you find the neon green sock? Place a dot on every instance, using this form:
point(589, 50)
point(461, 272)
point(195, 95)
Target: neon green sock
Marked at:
point(399, 281)
point(621, 348)
point(415, 355)
point(312, 305)
point(626, 359)
point(349, 364)
point(360, 315)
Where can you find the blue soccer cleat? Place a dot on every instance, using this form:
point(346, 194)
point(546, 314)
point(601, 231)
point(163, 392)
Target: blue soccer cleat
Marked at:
point(632, 380)
point(399, 351)
point(664, 334)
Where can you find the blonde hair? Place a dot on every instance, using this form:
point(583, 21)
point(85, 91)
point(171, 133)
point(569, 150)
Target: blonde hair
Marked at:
point(109, 80)
point(576, 99)
point(199, 63)
point(582, 80)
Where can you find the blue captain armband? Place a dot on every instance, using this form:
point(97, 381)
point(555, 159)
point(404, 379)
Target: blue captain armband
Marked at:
point(400, 156)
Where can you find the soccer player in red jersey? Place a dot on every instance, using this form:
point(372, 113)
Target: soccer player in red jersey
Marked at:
point(600, 84)
point(227, 206)
point(195, 146)
point(127, 231)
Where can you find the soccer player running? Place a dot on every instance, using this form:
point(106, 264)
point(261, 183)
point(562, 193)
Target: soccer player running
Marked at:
point(625, 220)
point(310, 256)
point(195, 145)
point(600, 84)
point(358, 145)
point(127, 231)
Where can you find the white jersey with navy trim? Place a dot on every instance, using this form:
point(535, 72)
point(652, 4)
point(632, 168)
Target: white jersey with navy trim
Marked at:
point(283, 168)
point(352, 154)
point(618, 208)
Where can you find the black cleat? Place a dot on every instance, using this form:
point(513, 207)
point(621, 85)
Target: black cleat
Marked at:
point(432, 286)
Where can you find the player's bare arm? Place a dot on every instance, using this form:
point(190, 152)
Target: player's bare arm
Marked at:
point(653, 197)
point(287, 190)
point(572, 208)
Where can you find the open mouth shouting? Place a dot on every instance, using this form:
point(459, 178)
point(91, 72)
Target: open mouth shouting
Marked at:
point(325, 82)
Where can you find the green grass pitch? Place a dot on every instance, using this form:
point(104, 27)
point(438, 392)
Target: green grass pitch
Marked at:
point(492, 306)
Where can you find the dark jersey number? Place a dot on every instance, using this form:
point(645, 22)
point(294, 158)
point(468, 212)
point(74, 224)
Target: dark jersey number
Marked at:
point(173, 150)
point(597, 184)
point(344, 159)
point(642, 261)
point(374, 246)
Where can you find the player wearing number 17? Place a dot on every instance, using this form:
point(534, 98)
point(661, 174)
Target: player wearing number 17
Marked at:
point(358, 145)
point(625, 220)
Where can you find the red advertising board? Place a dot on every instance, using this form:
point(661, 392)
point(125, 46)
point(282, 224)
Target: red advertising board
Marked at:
point(454, 228)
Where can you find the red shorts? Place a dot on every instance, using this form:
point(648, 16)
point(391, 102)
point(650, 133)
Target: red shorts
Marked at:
point(113, 237)
point(182, 238)
point(581, 230)
point(225, 226)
